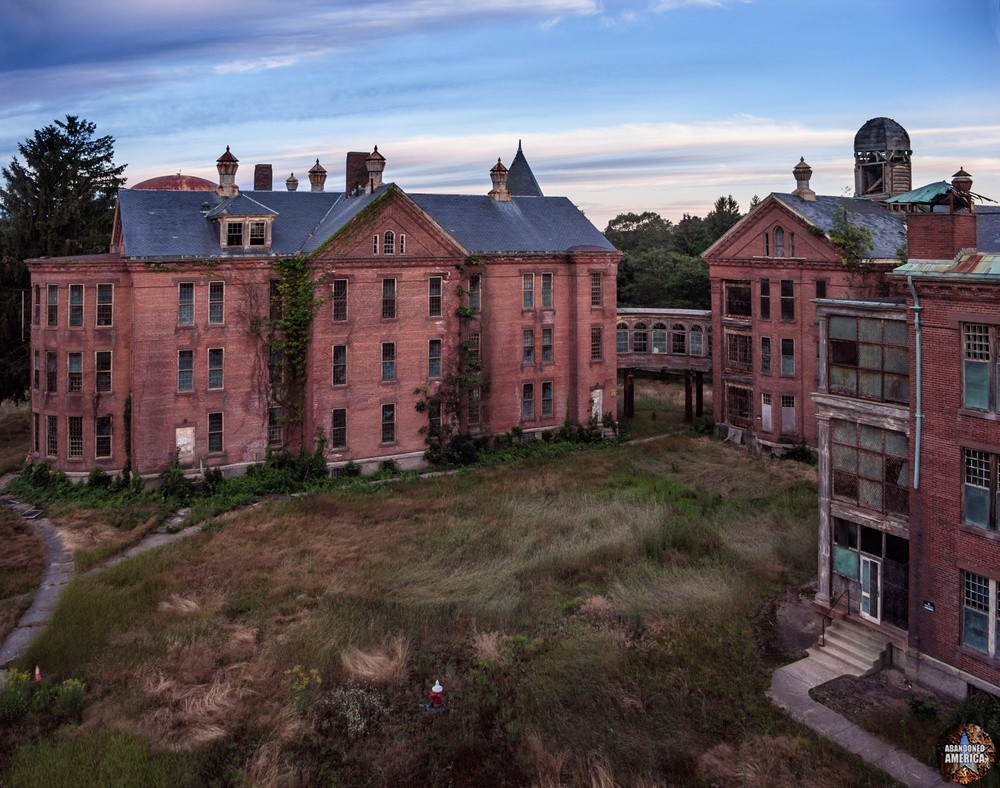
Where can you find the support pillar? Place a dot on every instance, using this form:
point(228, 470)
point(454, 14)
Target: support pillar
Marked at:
point(699, 394)
point(629, 394)
point(688, 412)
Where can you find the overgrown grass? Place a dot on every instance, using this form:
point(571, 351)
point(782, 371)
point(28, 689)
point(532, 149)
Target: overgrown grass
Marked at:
point(15, 435)
point(659, 407)
point(22, 561)
point(587, 613)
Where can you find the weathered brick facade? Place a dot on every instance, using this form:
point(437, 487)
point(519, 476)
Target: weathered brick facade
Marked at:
point(401, 300)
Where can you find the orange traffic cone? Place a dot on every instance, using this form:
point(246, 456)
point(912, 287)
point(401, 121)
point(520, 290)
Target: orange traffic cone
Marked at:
point(38, 675)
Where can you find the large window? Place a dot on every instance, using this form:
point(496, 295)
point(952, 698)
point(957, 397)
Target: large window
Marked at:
point(102, 365)
point(621, 338)
point(696, 341)
point(75, 438)
point(105, 304)
point(52, 436)
point(596, 289)
point(388, 424)
point(215, 432)
point(434, 296)
point(739, 351)
point(787, 300)
point(869, 359)
point(389, 242)
point(678, 339)
point(340, 299)
point(736, 298)
point(51, 365)
point(980, 610)
point(788, 358)
point(738, 405)
point(185, 303)
point(871, 466)
point(74, 378)
point(765, 299)
point(388, 361)
point(52, 302)
point(765, 355)
point(76, 306)
point(434, 358)
point(215, 369)
point(640, 338)
point(339, 365)
point(528, 291)
point(185, 370)
point(528, 346)
point(338, 428)
point(546, 291)
point(547, 355)
point(475, 292)
point(388, 299)
point(547, 403)
point(596, 343)
point(527, 400)
point(216, 301)
point(659, 338)
point(102, 436)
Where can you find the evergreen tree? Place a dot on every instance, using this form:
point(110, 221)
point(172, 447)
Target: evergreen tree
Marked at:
point(58, 199)
point(725, 213)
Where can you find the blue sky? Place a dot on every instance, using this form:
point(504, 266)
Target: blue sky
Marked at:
point(622, 106)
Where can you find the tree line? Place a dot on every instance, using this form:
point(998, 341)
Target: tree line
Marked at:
point(662, 265)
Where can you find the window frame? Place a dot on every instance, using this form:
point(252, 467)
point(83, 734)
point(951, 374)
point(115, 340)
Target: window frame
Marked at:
point(434, 358)
point(658, 335)
point(548, 353)
point(216, 302)
point(51, 372)
point(74, 378)
point(52, 306)
point(548, 410)
point(547, 302)
point(388, 242)
point(275, 425)
point(51, 436)
point(621, 332)
point(475, 292)
point(103, 378)
point(338, 300)
point(187, 353)
point(678, 331)
point(185, 305)
point(216, 432)
point(527, 401)
point(338, 431)
point(74, 318)
point(596, 289)
point(736, 298)
point(256, 233)
point(389, 293)
point(234, 234)
point(527, 347)
point(787, 300)
point(434, 299)
point(856, 464)
point(527, 291)
point(105, 306)
point(984, 595)
point(765, 299)
point(74, 437)
point(765, 355)
point(596, 344)
point(338, 367)
point(849, 340)
point(216, 369)
point(787, 357)
point(37, 315)
point(103, 437)
point(640, 338)
point(739, 351)
point(388, 362)
point(388, 423)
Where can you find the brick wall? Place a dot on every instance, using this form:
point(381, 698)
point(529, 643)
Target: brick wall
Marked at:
point(938, 236)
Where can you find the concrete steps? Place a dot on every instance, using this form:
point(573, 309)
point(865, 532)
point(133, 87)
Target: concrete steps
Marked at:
point(851, 649)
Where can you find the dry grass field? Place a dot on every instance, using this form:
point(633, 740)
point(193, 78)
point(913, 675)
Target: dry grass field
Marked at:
point(15, 434)
point(22, 561)
point(588, 615)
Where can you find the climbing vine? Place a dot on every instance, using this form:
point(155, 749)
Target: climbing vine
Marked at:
point(854, 244)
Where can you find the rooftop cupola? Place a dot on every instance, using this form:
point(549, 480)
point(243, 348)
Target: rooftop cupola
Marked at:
point(375, 163)
point(227, 165)
point(498, 175)
point(961, 181)
point(317, 177)
point(803, 172)
point(292, 183)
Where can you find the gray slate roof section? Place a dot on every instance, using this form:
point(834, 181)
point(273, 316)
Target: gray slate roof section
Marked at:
point(888, 228)
point(525, 224)
point(988, 228)
point(520, 179)
point(240, 205)
point(170, 224)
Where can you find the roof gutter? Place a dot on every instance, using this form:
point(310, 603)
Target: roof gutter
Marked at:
point(917, 309)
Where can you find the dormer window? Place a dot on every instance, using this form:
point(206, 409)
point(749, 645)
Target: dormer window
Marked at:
point(258, 233)
point(245, 232)
point(234, 233)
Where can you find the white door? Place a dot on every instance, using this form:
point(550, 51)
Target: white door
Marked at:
point(184, 440)
point(871, 588)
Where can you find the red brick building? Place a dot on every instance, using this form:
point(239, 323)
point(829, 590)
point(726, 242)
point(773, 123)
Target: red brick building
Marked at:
point(165, 346)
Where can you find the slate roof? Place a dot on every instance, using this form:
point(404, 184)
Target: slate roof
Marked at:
point(881, 134)
point(988, 228)
point(170, 224)
point(888, 228)
point(520, 179)
point(525, 224)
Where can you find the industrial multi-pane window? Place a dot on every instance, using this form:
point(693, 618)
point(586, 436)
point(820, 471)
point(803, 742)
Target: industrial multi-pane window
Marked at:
point(871, 466)
point(547, 355)
point(528, 346)
point(76, 306)
point(388, 424)
point(546, 398)
point(185, 370)
point(185, 303)
point(74, 378)
point(596, 343)
point(340, 365)
point(340, 299)
point(738, 404)
point(215, 360)
point(528, 291)
point(388, 298)
point(739, 351)
point(102, 436)
point(736, 298)
point(434, 358)
point(103, 367)
point(338, 428)
point(546, 291)
point(105, 304)
point(434, 296)
point(787, 299)
point(869, 358)
point(388, 361)
point(528, 401)
point(216, 301)
point(52, 302)
point(215, 432)
point(75, 437)
point(596, 289)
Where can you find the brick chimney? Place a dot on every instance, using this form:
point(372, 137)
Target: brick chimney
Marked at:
point(317, 177)
point(941, 235)
point(498, 175)
point(263, 176)
point(357, 172)
point(803, 172)
point(292, 183)
point(375, 164)
point(227, 164)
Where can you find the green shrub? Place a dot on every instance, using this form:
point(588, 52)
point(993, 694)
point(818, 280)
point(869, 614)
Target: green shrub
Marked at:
point(173, 483)
point(98, 479)
point(15, 696)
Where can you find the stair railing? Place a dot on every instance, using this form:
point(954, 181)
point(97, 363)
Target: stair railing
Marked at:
point(828, 616)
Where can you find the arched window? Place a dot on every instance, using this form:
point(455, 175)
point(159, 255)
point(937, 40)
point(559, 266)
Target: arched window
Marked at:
point(697, 341)
point(621, 345)
point(678, 339)
point(388, 242)
point(659, 338)
point(639, 338)
point(779, 242)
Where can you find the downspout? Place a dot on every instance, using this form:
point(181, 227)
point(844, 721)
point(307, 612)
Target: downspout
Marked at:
point(920, 411)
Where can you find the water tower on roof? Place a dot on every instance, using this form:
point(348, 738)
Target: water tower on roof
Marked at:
point(881, 159)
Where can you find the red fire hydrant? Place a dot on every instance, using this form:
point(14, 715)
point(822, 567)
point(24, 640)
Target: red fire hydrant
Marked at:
point(435, 696)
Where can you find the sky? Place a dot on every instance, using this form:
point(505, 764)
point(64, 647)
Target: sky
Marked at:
point(661, 105)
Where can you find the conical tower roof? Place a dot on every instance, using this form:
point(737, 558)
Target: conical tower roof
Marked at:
point(520, 179)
